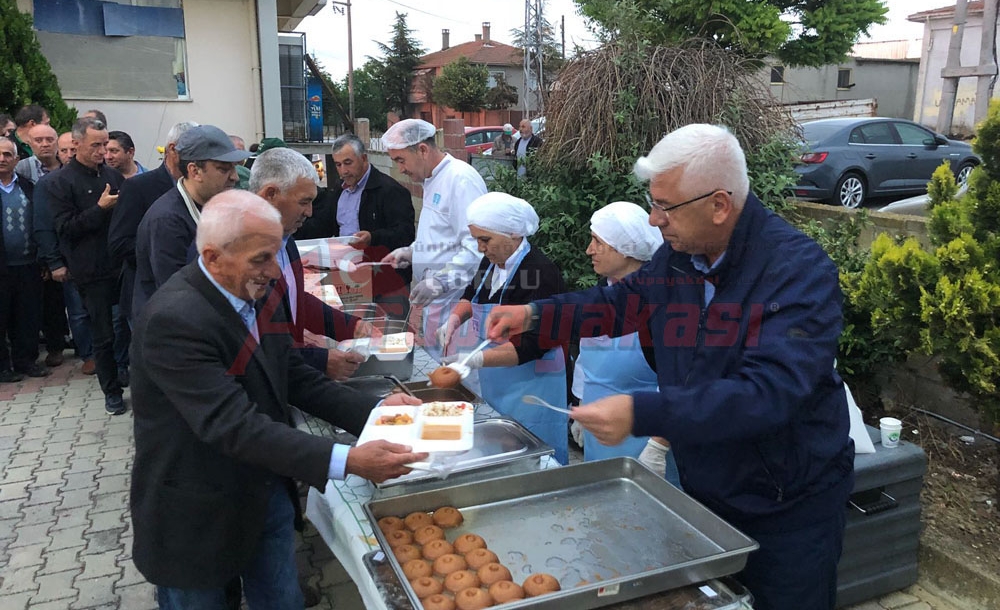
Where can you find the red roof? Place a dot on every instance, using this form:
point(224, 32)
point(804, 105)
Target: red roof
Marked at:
point(945, 11)
point(484, 52)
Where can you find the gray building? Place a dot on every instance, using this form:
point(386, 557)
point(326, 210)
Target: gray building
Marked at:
point(892, 82)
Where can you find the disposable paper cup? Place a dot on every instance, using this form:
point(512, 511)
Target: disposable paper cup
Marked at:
point(890, 428)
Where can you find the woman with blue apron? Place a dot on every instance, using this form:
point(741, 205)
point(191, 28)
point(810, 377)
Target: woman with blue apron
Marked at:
point(511, 273)
point(621, 241)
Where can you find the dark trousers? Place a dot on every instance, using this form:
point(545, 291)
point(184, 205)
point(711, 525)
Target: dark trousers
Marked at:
point(796, 570)
point(20, 316)
point(54, 317)
point(99, 299)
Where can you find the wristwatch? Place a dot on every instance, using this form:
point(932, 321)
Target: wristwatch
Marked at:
point(534, 316)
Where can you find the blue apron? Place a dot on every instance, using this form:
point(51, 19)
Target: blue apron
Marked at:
point(503, 387)
point(617, 366)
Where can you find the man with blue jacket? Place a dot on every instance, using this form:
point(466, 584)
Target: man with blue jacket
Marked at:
point(743, 313)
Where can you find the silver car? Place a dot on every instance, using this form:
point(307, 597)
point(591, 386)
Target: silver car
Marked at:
point(847, 161)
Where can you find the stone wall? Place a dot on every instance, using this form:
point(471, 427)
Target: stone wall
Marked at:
point(882, 222)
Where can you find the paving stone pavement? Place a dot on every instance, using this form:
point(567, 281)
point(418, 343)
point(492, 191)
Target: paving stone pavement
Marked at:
point(65, 530)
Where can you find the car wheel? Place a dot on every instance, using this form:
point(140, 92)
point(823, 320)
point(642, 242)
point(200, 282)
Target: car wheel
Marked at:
point(850, 191)
point(962, 175)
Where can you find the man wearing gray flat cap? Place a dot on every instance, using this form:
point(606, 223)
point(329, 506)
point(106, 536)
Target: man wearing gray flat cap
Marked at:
point(165, 238)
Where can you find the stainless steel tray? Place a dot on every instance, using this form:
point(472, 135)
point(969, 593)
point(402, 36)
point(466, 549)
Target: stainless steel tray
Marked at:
point(501, 447)
point(427, 393)
point(609, 531)
point(723, 594)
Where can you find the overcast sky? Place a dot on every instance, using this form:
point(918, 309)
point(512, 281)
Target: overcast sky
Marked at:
point(326, 33)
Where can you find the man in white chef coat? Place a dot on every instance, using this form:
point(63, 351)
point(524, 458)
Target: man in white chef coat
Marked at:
point(445, 255)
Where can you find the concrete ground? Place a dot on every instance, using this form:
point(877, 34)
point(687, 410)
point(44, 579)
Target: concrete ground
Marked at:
point(65, 531)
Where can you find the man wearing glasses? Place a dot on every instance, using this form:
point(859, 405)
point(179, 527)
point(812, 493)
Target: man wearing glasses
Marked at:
point(743, 314)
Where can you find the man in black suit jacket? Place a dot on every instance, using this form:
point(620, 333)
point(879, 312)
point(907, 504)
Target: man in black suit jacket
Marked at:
point(136, 196)
point(287, 180)
point(212, 493)
point(381, 216)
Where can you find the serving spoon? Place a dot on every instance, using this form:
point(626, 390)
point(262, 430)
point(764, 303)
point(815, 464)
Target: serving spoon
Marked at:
point(531, 399)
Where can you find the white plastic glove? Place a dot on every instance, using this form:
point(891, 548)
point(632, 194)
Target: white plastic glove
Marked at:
point(576, 431)
point(426, 291)
point(654, 457)
point(399, 258)
point(447, 331)
point(476, 362)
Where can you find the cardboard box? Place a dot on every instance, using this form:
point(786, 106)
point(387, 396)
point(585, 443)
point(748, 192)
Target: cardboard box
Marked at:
point(320, 260)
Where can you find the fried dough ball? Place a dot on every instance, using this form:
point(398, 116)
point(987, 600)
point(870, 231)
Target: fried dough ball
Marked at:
point(504, 591)
point(435, 548)
point(426, 586)
point(399, 538)
point(427, 533)
point(492, 572)
point(416, 568)
point(405, 553)
point(446, 564)
point(540, 583)
point(469, 542)
point(415, 521)
point(477, 558)
point(390, 524)
point(438, 602)
point(461, 580)
point(447, 517)
point(473, 599)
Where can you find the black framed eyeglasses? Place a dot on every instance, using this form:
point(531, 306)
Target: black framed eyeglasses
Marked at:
point(653, 205)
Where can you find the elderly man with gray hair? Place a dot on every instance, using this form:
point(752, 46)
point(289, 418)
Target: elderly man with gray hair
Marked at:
point(213, 498)
point(743, 315)
point(444, 254)
point(287, 180)
point(137, 195)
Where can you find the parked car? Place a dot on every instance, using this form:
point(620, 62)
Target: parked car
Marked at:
point(846, 161)
point(478, 140)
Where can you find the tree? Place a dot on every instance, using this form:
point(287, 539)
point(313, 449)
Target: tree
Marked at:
point(25, 75)
point(798, 32)
point(369, 95)
point(502, 96)
point(401, 58)
point(462, 86)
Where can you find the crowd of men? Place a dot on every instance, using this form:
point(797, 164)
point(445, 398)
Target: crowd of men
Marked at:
point(210, 280)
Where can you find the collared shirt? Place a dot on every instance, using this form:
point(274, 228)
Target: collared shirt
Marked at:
point(700, 262)
point(289, 275)
point(9, 187)
point(349, 205)
point(245, 309)
point(500, 275)
point(242, 307)
point(32, 169)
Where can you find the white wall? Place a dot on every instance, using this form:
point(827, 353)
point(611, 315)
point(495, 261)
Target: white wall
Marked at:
point(222, 76)
point(937, 35)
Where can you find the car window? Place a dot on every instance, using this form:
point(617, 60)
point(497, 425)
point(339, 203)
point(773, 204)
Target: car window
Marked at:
point(877, 133)
point(856, 136)
point(474, 138)
point(911, 135)
point(493, 135)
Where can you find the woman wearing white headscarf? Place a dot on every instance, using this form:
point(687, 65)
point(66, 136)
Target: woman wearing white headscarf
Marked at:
point(621, 241)
point(511, 273)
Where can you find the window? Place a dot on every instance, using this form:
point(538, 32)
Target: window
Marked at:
point(911, 135)
point(777, 75)
point(496, 77)
point(844, 78)
point(475, 138)
point(874, 133)
point(130, 49)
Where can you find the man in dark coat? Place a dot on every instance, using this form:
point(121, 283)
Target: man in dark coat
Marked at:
point(370, 206)
point(212, 496)
point(136, 197)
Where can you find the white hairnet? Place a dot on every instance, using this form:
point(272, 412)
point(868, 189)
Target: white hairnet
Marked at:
point(406, 133)
point(625, 227)
point(504, 214)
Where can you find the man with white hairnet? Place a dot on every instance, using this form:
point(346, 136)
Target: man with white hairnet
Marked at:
point(621, 241)
point(743, 313)
point(511, 272)
point(444, 255)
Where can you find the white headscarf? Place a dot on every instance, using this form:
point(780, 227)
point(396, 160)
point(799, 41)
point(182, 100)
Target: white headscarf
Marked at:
point(406, 133)
point(625, 227)
point(504, 214)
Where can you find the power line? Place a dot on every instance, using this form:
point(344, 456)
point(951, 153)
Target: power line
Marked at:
point(426, 13)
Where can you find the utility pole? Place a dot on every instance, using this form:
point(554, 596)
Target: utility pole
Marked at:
point(562, 29)
point(350, 60)
point(985, 82)
point(953, 65)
